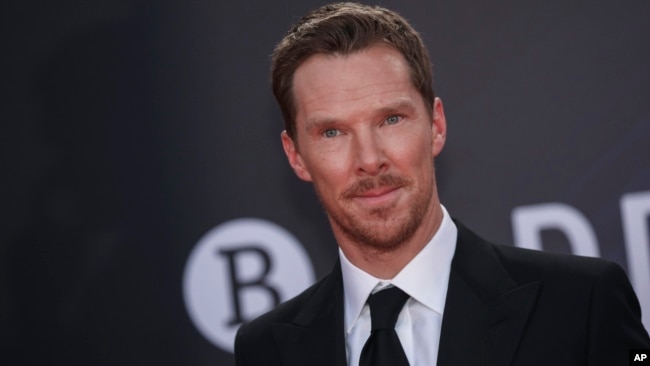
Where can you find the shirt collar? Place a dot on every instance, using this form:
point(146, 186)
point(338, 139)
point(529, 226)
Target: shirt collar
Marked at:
point(424, 278)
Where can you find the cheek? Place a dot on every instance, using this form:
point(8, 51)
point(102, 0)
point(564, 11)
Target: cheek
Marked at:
point(329, 170)
point(413, 150)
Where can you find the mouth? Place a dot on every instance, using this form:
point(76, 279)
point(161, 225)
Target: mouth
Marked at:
point(377, 196)
point(377, 192)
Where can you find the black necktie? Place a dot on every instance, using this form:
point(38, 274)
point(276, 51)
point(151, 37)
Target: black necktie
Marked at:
point(383, 347)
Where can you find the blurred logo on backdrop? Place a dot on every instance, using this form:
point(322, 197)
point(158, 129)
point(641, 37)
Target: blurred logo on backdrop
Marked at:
point(239, 270)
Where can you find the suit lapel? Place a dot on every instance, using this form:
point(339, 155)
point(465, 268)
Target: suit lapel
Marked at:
point(316, 335)
point(485, 311)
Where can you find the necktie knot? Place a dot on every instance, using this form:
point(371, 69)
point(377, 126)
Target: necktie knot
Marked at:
point(385, 307)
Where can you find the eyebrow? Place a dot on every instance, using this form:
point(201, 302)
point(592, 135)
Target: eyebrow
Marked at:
point(398, 105)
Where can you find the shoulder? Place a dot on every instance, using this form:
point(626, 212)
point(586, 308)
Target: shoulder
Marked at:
point(593, 293)
point(287, 311)
point(573, 278)
point(566, 275)
point(528, 265)
point(256, 338)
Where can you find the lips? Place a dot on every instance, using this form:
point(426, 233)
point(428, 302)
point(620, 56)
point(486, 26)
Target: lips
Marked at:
point(379, 197)
point(377, 192)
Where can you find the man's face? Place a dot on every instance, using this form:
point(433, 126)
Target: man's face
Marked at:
point(366, 140)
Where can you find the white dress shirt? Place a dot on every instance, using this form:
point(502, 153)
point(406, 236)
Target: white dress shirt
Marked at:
point(425, 279)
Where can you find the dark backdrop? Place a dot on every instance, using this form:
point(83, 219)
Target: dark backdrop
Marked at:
point(130, 130)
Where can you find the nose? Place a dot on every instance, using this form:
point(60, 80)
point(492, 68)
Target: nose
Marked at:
point(369, 153)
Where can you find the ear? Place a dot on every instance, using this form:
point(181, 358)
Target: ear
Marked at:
point(439, 127)
point(295, 160)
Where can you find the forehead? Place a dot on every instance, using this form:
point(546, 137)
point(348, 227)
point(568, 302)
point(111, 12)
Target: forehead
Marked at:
point(330, 85)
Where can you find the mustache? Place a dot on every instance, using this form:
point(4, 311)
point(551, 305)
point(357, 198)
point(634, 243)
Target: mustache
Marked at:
point(366, 184)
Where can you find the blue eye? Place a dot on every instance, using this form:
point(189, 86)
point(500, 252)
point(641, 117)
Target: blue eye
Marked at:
point(392, 120)
point(331, 133)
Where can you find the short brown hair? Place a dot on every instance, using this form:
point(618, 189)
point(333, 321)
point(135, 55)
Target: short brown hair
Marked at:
point(345, 28)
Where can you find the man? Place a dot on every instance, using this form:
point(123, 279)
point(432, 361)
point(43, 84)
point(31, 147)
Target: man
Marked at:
point(364, 126)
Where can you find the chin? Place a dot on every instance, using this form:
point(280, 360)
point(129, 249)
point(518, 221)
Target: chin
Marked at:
point(382, 235)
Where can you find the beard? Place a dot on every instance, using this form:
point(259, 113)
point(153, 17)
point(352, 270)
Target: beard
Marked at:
point(381, 229)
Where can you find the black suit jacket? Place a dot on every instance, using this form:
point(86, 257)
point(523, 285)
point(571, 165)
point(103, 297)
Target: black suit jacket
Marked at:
point(505, 306)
